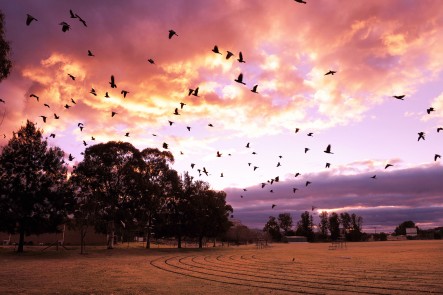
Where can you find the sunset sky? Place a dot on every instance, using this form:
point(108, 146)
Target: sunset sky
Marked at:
point(377, 48)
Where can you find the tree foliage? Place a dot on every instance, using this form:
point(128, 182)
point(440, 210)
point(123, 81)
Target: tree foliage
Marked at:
point(273, 229)
point(305, 226)
point(285, 223)
point(401, 228)
point(334, 226)
point(33, 195)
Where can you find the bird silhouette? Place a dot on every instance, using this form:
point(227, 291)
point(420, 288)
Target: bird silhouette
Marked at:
point(72, 77)
point(47, 105)
point(273, 205)
point(107, 94)
point(313, 208)
point(271, 191)
point(294, 189)
point(240, 79)
point(73, 101)
point(112, 82)
point(247, 145)
point(1, 100)
point(215, 49)
point(277, 179)
point(127, 134)
point(210, 125)
point(182, 104)
point(170, 123)
point(90, 53)
point(205, 171)
point(84, 143)
point(263, 185)
point(30, 19)
point(300, 1)
point(328, 165)
point(297, 130)
point(437, 156)
point(165, 145)
point(307, 183)
point(218, 154)
point(229, 54)
point(56, 117)
point(439, 129)
point(388, 165)
point(399, 97)
point(124, 92)
point(278, 164)
point(113, 113)
point(67, 106)
point(44, 118)
point(421, 135)
point(306, 150)
point(330, 73)
point(328, 149)
point(33, 95)
point(65, 26)
point(192, 165)
point(254, 89)
point(93, 92)
point(151, 61)
point(52, 135)
point(240, 57)
point(255, 168)
point(72, 14)
point(297, 174)
point(81, 20)
point(70, 157)
point(92, 138)
point(172, 33)
point(189, 128)
point(310, 134)
point(374, 177)
point(431, 109)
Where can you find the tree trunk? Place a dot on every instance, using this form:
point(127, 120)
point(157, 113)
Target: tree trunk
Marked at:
point(110, 244)
point(200, 242)
point(82, 240)
point(148, 239)
point(21, 241)
point(179, 242)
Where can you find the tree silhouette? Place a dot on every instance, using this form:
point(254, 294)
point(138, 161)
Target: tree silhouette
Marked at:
point(401, 228)
point(33, 194)
point(5, 62)
point(334, 225)
point(305, 226)
point(107, 171)
point(273, 229)
point(285, 223)
point(323, 225)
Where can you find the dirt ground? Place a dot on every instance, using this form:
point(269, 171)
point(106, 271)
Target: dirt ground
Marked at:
point(401, 267)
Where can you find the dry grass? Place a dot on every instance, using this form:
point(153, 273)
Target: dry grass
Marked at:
point(407, 267)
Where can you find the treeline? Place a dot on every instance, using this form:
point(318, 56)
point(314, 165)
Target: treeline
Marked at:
point(332, 226)
point(115, 187)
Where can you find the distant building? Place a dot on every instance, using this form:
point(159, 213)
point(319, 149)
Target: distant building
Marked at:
point(411, 231)
point(295, 239)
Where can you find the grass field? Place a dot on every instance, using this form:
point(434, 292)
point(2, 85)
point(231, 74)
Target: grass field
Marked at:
point(406, 267)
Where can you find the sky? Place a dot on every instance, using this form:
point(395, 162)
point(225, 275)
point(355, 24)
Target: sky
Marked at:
point(378, 49)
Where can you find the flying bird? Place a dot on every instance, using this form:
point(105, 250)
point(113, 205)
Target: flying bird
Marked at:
point(56, 117)
point(52, 135)
point(218, 154)
point(439, 129)
point(278, 164)
point(124, 92)
point(72, 14)
point(310, 134)
point(44, 118)
point(29, 19)
point(254, 89)
point(192, 165)
point(106, 94)
point(431, 109)
point(210, 125)
point(294, 189)
point(240, 57)
point(65, 26)
point(331, 73)
point(172, 33)
point(92, 138)
point(72, 77)
point(437, 156)
point(297, 130)
point(112, 82)
point(151, 61)
point(255, 168)
point(240, 79)
point(399, 97)
point(307, 183)
point(182, 104)
point(215, 49)
point(1, 100)
point(90, 53)
point(374, 177)
point(67, 106)
point(33, 95)
point(170, 123)
point(73, 101)
point(229, 54)
point(421, 135)
point(84, 143)
point(93, 92)
point(70, 157)
point(189, 128)
point(47, 105)
point(300, 1)
point(127, 134)
point(388, 165)
point(165, 145)
point(297, 174)
point(328, 165)
point(273, 205)
point(328, 149)
point(306, 150)
point(113, 113)
point(81, 20)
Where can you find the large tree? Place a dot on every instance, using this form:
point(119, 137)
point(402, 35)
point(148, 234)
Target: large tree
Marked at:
point(285, 223)
point(323, 225)
point(33, 194)
point(107, 171)
point(305, 226)
point(5, 61)
point(401, 228)
point(273, 229)
point(334, 226)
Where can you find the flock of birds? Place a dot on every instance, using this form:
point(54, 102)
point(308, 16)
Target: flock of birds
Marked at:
point(194, 91)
